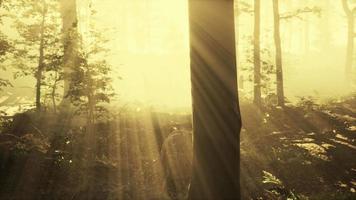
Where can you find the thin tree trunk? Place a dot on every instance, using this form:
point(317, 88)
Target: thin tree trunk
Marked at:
point(91, 145)
point(257, 53)
point(54, 100)
point(277, 41)
point(216, 115)
point(40, 66)
point(70, 40)
point(54, 90)
point(350, 39)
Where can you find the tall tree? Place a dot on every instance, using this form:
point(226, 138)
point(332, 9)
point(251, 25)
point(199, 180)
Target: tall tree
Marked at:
point(70, 41)
point(41, 64)
point(351, 34)
point(216, 115)
point(257, 53)
point(278, 46)
point(38, 28)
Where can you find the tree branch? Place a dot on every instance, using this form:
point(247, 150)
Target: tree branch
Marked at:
point(245, 8)
point(346, 7)
point(299, 12)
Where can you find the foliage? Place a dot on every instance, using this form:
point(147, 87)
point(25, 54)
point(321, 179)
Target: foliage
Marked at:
point(39, 50)
point(277, 189)
point(5, 49)
point(28, 23)
point(307, 103)
point(90, 80)
point(5, 121)
point(5, 46)
point(24, 144)
point(267, 68)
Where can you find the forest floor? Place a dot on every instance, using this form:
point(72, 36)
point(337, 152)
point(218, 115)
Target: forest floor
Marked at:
point(307, 151)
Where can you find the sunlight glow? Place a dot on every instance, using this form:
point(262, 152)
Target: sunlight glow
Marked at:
point(150, 49)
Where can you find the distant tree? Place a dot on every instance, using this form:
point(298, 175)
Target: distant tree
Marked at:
point(277, 17)
point(216, 116)
point(37, 23)
point(351, 35)
point(257, 53)
point(278, 46)
point(241, 7)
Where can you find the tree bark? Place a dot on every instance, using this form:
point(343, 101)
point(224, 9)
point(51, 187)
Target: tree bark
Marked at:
point(70, 40)
point(277, 41)
point(257, 54)
point(54, 92)
point(350, 39)
point(216, 115)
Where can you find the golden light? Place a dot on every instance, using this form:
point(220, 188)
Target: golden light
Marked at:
point(150, 49)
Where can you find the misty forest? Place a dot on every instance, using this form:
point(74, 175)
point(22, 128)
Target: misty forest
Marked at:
point(178, 99)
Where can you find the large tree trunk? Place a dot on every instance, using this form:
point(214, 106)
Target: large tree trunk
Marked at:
point(350, 39)
point(216, 115)
point(257, 54)
point(70, 41)
point(40, 66)
point(277, 41)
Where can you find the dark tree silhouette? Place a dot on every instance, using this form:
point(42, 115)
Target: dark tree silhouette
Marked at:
point(216, 115)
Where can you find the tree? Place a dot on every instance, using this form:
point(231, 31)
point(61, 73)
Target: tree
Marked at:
point(90, 79)
point(70, 41)
point(54, 77)
point(257, 54)
point(278, 46)
point(38, 26)
point(40, 66)
point(216, 115)
point(351, 34)
point(277, 17)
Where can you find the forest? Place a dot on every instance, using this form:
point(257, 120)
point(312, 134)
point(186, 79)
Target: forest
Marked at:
point(177, 100)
